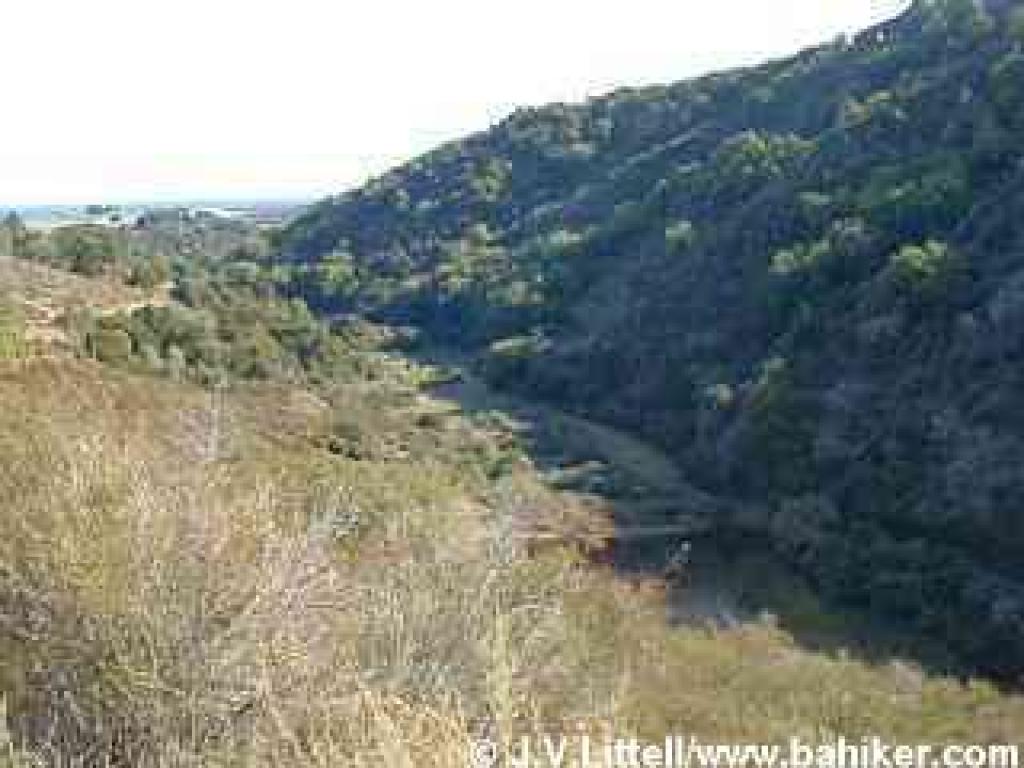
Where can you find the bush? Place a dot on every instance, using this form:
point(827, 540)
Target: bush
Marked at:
point(508, 360)
point(929, 271)
point(85, 252)
point(112, 346)
point(151, 273)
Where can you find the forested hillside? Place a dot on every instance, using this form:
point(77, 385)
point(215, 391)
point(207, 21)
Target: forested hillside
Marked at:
point(804, 280)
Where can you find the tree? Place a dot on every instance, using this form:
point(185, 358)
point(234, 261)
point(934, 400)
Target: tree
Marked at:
point(957, 20)
point(929, 272)
point(13, 236)
point(1017, 26)
point(86, 253)
point(151, 274)
point(13, 222)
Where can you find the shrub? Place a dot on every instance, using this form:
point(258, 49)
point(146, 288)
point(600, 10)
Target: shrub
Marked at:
point(151, 273)
point(111, 345)
point(12, 333)
point(929, 271)
point(680, 235)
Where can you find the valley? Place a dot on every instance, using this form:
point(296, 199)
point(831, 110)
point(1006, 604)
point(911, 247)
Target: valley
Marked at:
point(800, 281)
point(691, 408)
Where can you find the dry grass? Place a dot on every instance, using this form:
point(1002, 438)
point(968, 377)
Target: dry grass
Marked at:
point(271, 604)
point(46, 295)
point(62, 289)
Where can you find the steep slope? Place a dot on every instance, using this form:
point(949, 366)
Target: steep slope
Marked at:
point(806, 280)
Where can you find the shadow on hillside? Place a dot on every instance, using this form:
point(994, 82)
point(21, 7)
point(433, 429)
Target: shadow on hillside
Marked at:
point(728, 582)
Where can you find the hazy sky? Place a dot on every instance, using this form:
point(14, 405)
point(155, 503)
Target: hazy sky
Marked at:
point(169, 99)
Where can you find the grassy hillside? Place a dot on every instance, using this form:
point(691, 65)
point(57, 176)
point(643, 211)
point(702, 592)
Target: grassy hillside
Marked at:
point(198, 579)
point(802, 279)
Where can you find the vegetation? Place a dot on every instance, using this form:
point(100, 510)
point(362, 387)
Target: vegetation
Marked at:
point(144, 253)
point(12, 333)
point(243, 591)
point(241, 523)
point(853, 212)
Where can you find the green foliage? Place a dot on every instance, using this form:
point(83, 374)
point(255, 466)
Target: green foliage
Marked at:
point(507, 360)
point(802, 257)
point(778, 439)
point(959, 21)
point(491, 180)
point(111, 345)
point(1016, 24)
point(929, 271)
point(151, 273)
point(12, 333)
point(230, 327)
point(753, 155)
point(680, 235)
point(1006, 83)
point(854, 210)
point(87, 252)
point(932, 199)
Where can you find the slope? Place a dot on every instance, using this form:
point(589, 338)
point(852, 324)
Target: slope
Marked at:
point(803, 280)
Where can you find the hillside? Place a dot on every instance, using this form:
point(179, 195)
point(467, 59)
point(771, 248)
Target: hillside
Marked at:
point(802, 280)
point(288, 570)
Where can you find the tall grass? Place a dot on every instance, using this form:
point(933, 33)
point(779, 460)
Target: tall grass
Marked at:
point(255, 608)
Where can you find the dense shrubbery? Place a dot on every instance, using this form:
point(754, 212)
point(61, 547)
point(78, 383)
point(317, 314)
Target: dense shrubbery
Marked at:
point(222, 330)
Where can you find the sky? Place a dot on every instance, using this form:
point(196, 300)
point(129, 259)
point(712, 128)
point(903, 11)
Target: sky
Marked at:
point(141, 100)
